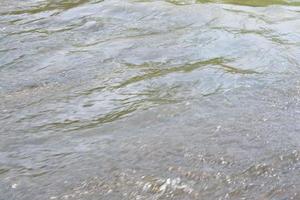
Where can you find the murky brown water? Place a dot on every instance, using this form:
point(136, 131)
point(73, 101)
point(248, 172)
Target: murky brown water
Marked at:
point(151, 100)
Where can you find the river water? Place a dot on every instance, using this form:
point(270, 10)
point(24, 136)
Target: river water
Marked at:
point(124, 99)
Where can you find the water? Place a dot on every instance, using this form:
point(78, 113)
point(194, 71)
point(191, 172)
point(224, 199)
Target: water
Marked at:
point(122, 99)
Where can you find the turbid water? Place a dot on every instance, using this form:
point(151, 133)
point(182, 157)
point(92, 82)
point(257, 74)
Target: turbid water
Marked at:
point(122, 99)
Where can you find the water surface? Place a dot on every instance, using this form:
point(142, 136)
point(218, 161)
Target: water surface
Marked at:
point(122, 99)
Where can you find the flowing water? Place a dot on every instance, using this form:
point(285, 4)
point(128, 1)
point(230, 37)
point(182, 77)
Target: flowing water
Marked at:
point(125, 99)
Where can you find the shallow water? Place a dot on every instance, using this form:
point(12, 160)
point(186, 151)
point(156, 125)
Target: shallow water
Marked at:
point(153, 99)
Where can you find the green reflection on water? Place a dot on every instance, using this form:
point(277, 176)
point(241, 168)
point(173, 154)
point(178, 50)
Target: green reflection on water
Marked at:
point(45, 6)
